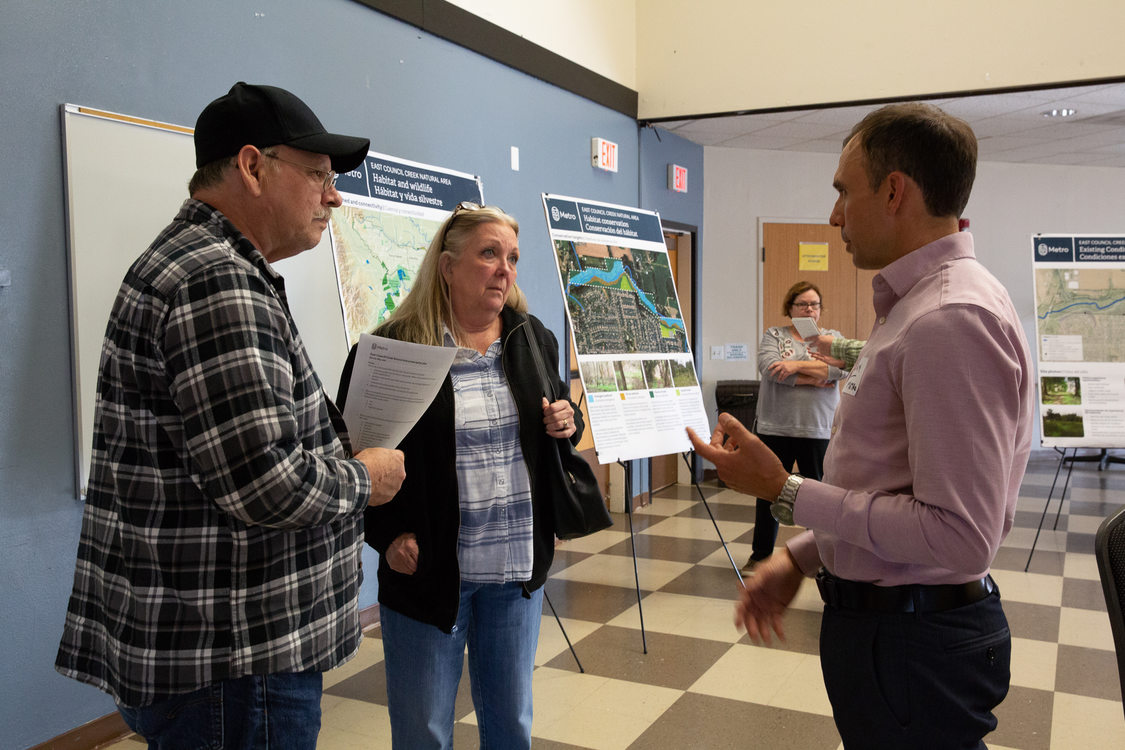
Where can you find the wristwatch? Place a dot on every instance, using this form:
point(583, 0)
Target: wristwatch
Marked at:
point(782, 508)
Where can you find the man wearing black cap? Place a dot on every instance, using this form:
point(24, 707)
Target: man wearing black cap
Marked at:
point(218, 566)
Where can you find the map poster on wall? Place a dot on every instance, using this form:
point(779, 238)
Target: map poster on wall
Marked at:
point(629, 334)
point(391, 210)
point(1080, 327)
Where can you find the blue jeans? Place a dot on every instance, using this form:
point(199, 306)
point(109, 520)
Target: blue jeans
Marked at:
point(423, 667)
point(276, 711)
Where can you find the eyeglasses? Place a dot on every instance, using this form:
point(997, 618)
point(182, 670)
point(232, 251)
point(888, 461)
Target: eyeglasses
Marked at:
point(465, 206)
point(460, 208)
point(328, 178)
point(807, 305)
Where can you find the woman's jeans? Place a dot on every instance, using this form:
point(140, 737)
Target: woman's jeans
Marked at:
point(423, 665)
point(274, 712)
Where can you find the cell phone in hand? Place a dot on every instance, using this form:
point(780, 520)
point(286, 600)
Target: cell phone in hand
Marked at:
point(806, 327)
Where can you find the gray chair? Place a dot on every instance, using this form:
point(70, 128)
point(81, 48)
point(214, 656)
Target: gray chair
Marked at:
point(1109, 548)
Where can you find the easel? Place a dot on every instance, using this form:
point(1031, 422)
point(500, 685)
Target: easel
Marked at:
point(627, 466)
point(565, 636)
point(1104, 460)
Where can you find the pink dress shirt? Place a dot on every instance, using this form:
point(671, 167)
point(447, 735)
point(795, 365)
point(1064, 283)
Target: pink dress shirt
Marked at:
point(932, 435)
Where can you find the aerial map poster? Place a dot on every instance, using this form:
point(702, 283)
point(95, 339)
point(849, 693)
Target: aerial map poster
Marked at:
point(629, 335)
point(391, 210)
point(1080, 326)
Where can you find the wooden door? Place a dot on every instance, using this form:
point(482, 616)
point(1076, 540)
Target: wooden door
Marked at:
point(665, 469)
point(586, 443)
point(845, 291)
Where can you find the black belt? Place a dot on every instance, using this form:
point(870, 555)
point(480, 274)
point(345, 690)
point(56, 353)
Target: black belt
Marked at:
point(915, 597)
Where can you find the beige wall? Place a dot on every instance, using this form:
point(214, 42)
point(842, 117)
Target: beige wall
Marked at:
point(703, 56)
point(600, 35)
point(724, 55)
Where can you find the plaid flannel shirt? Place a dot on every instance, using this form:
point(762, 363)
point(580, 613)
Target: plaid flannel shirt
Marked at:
point(223, 523)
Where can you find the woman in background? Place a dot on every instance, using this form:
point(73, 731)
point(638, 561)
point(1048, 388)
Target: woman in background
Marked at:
point(796, 401)
point(465, 545)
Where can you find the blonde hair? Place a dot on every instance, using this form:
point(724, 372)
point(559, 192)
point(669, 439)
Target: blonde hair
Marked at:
point(423, 312)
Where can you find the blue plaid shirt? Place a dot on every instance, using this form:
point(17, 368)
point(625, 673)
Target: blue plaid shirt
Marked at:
point(494, 544)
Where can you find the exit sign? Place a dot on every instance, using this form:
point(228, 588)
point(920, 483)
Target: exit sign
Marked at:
point(604, 154)
point(677, 178)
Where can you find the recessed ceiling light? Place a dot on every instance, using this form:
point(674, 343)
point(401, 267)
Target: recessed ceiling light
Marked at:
point(1060, 113)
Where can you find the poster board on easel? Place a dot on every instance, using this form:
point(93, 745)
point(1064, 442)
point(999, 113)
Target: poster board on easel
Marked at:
point(631, 346)
point(1079, 283)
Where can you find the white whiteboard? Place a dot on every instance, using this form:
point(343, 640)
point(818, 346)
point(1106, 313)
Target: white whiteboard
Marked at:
point(125, 179)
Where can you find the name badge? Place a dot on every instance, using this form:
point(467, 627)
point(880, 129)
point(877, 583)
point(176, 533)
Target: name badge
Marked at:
point(851, 385)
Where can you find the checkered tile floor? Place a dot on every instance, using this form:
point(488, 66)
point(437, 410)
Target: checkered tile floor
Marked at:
point(703, 685)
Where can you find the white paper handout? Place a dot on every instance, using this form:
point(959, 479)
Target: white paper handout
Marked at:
point(806, 327)
point(393, 383)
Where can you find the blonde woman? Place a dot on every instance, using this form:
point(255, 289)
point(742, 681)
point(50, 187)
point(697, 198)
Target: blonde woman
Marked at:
point(466, 543)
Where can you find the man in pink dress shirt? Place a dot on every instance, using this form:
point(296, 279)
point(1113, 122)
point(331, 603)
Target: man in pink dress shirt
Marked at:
point(928, 449)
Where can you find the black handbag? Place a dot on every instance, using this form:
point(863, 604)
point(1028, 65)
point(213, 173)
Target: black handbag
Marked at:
point(577, 502)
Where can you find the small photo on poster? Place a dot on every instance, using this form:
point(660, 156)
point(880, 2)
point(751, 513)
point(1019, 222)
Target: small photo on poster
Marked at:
point(599, 376)
point(630, 375)
point(1063, 391)
point(1063, 422)
point(683, 373)
point(658, 373)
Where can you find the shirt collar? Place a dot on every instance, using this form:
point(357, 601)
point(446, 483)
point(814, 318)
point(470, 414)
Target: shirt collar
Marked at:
point(904, 273)
point(464, 352)
point(197, 212)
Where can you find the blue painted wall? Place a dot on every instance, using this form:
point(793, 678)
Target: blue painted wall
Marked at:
point(416, 96)
point(659, 148)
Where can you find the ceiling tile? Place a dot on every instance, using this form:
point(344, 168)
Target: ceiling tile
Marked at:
point(1010, 126)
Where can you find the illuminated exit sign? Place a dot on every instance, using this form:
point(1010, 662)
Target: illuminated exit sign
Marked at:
point(677, 178)
point(604, 154)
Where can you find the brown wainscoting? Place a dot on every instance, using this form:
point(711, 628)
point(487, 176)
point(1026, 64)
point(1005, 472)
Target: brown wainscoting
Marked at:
point(369, 617)
point(92, 734)
point(111, 727)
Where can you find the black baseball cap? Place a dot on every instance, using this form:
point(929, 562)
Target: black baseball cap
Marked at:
point(268, 116)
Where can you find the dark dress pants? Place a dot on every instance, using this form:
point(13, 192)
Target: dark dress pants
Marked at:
point(916, 681)
point(808, 453)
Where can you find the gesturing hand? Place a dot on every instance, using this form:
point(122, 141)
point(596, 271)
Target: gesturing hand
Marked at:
point(743, 461)
point(766, 596)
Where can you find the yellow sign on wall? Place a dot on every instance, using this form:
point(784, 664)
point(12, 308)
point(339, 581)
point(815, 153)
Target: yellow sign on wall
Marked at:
point(812, 256)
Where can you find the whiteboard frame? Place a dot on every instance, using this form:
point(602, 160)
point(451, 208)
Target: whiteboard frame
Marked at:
point(125, 179)
point(96, 205)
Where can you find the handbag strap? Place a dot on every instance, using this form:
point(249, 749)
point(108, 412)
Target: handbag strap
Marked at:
point(545, 382)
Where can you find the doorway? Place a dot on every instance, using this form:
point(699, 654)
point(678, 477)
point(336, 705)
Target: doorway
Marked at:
point(793, 252)
point(664, 470)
